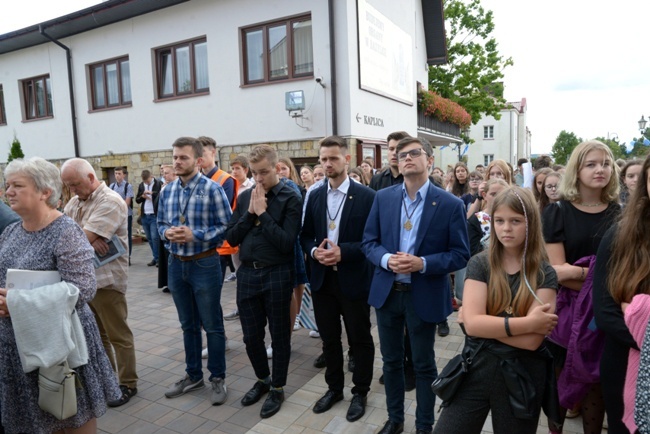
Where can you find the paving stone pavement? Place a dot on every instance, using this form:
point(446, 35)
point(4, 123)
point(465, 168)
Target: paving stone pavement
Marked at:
point(160, 362)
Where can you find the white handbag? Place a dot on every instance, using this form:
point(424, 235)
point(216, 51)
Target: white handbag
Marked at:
point(56, 391)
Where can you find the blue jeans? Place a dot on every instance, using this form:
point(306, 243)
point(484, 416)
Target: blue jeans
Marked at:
point(151, 231)
point(397, 312)
point(196, 289)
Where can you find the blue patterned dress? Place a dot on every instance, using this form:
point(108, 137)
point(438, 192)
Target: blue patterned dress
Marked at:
point(62, 246)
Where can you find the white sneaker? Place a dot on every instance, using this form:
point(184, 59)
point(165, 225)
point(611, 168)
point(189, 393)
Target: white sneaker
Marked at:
point(269, 352)
point(296, 325)
point(231, 278)
point(204, 353)
point(314, 334)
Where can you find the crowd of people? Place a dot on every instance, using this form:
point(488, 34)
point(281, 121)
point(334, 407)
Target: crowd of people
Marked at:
point(547, 266)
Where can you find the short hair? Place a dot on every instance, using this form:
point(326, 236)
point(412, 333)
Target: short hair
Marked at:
point(542, 161)
point(261, 152)
point(422, 141)
point(331, 141)
point(522, 161)
point(166, 166)
point(207, 141)
point(318, 166)
point(197, 147)
point(241, 160)
point(569, 184)
point(557, 167)
point(397, 135)
point(146, 174)
point(45, 175)
point(120, 169)
point(479, 165)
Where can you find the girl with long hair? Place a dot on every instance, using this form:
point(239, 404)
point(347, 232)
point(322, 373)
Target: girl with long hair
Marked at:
point(499, 169)
point(623, 277)
point(550, 190)
point(357, 174)
point(629, 179)
point(573, 228)
point(307, 176)
point(507, 311)
point(538, 181)
point(459, 181)
point(478, 224)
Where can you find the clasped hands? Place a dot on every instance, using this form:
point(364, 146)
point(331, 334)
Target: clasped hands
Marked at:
point(405, 263)
point(179, 234)
point(328, 256)
point(257, 204)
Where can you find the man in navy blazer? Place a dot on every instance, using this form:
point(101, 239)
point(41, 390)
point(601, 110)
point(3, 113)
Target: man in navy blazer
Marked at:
point(340, 275)
point(415, 236)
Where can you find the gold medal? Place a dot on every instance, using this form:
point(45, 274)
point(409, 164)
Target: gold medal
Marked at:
point(257, 222)
point(408, 226)
point(332, 225)
point(182, 219)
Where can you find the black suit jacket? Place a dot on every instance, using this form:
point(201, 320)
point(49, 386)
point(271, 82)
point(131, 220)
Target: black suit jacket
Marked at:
point(157, 185)
point(354, 270)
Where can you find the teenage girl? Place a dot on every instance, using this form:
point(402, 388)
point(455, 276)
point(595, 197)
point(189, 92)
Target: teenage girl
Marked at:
point(507, 309)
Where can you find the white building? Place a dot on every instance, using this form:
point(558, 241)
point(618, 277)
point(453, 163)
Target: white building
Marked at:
point(118, 82)
point(507, 139)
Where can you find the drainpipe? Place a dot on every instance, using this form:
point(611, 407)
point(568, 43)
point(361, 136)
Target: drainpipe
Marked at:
point(330, 9)
point(73, 111)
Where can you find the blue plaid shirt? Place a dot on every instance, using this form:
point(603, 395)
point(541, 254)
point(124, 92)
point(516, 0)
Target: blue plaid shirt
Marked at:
point(205, 207)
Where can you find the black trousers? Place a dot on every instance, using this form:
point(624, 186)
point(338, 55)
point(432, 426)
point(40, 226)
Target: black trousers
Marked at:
point(329, 305)
point(265, 294)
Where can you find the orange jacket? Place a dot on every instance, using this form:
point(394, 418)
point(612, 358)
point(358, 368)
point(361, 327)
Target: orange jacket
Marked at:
point(221, 177)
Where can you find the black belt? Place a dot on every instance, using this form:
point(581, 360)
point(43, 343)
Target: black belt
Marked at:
point(401, 287)
point(197, 256)
point(256, 264)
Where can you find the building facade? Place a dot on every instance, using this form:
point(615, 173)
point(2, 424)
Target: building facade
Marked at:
point(118, 82)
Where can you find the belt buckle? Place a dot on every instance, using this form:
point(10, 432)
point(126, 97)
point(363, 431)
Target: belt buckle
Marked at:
point(257, 265)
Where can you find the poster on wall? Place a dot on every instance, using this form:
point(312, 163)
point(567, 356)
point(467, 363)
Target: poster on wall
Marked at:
point(385, 55)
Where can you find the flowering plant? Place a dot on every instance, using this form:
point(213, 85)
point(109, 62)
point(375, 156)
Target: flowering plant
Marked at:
point(443, 109)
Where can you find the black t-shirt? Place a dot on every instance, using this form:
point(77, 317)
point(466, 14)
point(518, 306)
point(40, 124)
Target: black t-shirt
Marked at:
point(478, 268)
point(579, 231)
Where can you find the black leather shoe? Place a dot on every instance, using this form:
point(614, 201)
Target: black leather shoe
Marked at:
point(254, 395)
point(443, 329)
point(351, 363)
point(423, 431)
point(327, 401)
point(381, 379)
point(392, 428)
point(357, 408)
point(409, 378)
point(272, 404)
point(152, 263)
point(320, 362)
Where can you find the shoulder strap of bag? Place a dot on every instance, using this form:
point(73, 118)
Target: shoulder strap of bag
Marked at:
point(473, 354)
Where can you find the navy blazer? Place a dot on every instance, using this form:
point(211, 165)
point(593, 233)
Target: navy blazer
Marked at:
point(354, 270)
point(441, 240)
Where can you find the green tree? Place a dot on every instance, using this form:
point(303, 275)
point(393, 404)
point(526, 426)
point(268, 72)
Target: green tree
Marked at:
point(640, 150)
point(618, 150)
point(563, 146)
point(472, 77)
point(16, 151)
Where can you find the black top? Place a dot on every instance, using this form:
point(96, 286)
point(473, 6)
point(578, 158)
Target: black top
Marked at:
point(609, 316)
point(475, 234)
point(579, 231)
point(385, 179)
point(478, 268)
point(271, 238)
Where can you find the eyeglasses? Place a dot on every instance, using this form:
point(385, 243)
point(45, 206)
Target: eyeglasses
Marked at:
point(550, 187)
point(414, 153)
point(475, 178)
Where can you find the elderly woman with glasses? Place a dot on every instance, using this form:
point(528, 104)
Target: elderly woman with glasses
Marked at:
point(45, 239)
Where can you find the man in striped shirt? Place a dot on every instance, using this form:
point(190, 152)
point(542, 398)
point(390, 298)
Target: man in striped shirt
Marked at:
point(193, 213)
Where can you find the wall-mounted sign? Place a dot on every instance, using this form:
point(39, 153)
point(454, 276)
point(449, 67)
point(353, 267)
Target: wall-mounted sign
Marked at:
point(369, 120)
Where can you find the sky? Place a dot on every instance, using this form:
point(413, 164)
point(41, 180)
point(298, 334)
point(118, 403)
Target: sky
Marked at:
point(582, 65)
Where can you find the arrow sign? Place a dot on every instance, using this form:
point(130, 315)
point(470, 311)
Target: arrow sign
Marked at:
point(358, 117)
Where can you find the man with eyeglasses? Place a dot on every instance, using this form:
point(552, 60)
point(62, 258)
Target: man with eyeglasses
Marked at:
point(410, 286)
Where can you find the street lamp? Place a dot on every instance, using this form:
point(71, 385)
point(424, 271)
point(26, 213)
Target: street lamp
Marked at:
point(642, 124)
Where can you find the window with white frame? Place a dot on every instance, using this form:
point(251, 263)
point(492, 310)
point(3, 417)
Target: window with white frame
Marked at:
point(488, 132)
point(487, 159)
point(278, 50)
point(182, 69)
point(37, 97)
point(110, 83)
